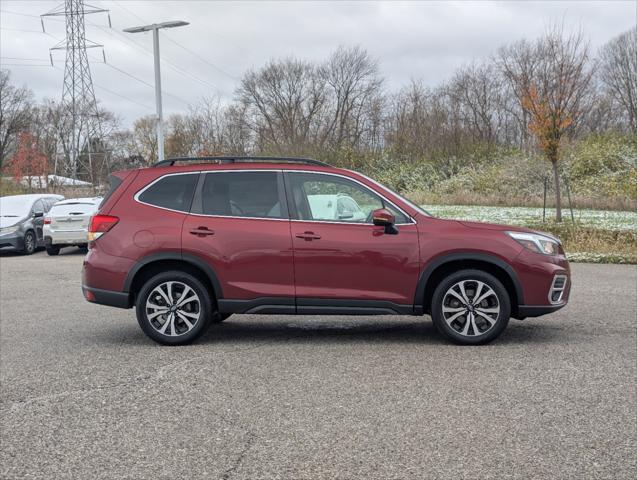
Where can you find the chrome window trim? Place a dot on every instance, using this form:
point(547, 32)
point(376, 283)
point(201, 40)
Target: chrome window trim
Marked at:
point(412, 222)
point(140, 192)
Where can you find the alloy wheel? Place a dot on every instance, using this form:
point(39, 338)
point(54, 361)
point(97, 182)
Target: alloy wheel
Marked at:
point(471, 308)
point(29, 243)
point(173, 308)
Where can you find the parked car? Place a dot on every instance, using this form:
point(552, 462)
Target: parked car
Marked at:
point(22, 221)
point(190, 243)
point(66, 224)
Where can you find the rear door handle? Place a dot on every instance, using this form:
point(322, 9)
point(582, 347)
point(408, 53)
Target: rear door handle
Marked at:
point(201, 232)
point(308, 236)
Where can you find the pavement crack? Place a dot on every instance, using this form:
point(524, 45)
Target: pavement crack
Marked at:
point(237, 463)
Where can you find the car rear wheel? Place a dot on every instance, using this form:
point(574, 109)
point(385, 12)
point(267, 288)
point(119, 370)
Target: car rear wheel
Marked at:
point(52, 250)
point(174, 308)
point(470, 307)
point(29, 243)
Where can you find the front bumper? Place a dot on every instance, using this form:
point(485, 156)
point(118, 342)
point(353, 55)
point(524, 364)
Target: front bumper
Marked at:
point(526, 311)
point(538, 274)
point(11, 242)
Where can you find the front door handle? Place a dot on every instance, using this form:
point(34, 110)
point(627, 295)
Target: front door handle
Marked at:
point(201, 231)
point(308, 236)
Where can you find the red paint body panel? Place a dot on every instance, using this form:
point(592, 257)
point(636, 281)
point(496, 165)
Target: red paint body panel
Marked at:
point(356, 261)
point(251, 257)
point(255, 258)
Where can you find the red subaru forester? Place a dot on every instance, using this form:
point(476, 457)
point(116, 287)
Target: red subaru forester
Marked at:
point(190, 241)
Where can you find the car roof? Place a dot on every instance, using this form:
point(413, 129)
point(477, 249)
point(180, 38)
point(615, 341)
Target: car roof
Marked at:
point(36, 196)
point(198, 167)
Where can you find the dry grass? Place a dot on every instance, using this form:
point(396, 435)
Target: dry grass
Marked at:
point(471, 198)
point(616, 246)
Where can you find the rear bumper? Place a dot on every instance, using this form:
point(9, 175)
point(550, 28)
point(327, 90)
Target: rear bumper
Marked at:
point(107, 297)
point(78, 237)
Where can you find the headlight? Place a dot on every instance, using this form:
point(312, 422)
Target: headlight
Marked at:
point(12, 229)
point(536, 242)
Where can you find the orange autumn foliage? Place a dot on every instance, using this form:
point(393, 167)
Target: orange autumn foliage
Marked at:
point(28, 161)
point(547, 124)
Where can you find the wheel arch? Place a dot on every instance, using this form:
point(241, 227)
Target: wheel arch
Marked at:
point(153, 264)
point(447, 264)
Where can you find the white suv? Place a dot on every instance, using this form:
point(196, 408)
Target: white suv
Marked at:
point(67, 222)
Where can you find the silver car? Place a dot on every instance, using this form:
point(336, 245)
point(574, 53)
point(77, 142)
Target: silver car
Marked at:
point(66, 224)
point(21, 221)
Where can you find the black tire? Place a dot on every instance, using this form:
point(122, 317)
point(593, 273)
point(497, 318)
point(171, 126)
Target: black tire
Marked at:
point(30, 243)
point(83, 248)
point(204, 308)
point(219, 317)
point(52, 250)
point(453, 330)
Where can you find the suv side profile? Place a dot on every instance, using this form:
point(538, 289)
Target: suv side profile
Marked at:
point(189, 243)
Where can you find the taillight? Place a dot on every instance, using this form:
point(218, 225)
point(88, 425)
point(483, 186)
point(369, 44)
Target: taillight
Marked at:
point(100, 224)
point(47, 220)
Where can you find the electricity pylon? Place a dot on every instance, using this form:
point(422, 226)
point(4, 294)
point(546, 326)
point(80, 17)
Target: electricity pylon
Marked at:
point(83, 144)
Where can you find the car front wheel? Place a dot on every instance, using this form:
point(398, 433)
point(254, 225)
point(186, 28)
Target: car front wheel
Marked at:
point(173, 308)
point(30, 243)
point(470, 307)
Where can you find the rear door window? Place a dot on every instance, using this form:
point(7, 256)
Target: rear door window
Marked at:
point(243, 194)
point(173, 192)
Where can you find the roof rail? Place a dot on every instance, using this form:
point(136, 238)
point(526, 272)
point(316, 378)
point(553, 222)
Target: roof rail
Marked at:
point(238, 159)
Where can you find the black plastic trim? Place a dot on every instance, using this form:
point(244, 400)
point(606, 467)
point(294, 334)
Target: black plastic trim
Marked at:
point(314, 306)
point(109, 297)
point(281, 305)
point(185, 257)
point(241, 159)
point(525, 311)
point(438, 262)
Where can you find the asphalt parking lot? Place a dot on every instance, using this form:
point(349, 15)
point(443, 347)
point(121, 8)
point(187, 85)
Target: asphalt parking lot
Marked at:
point(86, 395)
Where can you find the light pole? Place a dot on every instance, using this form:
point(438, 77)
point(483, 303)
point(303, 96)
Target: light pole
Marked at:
point(155, 27)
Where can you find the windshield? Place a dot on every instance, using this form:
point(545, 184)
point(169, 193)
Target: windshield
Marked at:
point(15, 206)
point(408, 202)
point(77, 208)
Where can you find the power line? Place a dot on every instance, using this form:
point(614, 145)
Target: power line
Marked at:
point(116, 94)
point(174, 67)
point(19, 30)
point(196, 55)
point(25, 65)
point(27, 59)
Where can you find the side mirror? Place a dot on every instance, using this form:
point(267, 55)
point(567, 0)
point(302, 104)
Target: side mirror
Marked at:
point(38, 214)
point(384, 218)
point(345, 215)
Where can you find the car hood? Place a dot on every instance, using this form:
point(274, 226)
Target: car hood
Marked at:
point(494, 226)
point(9, 221)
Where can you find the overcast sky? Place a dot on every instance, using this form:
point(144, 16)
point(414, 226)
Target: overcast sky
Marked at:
point(422, 40)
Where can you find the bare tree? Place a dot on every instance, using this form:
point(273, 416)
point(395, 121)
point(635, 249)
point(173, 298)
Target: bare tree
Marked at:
point(145, 139)
point(15, 114)
point(284, 101)
point(354, 87)
point(478, 89)
point(551, 79)
point(618, 72)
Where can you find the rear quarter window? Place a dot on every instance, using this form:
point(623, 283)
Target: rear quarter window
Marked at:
point(173, 192)
point(114, 182)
